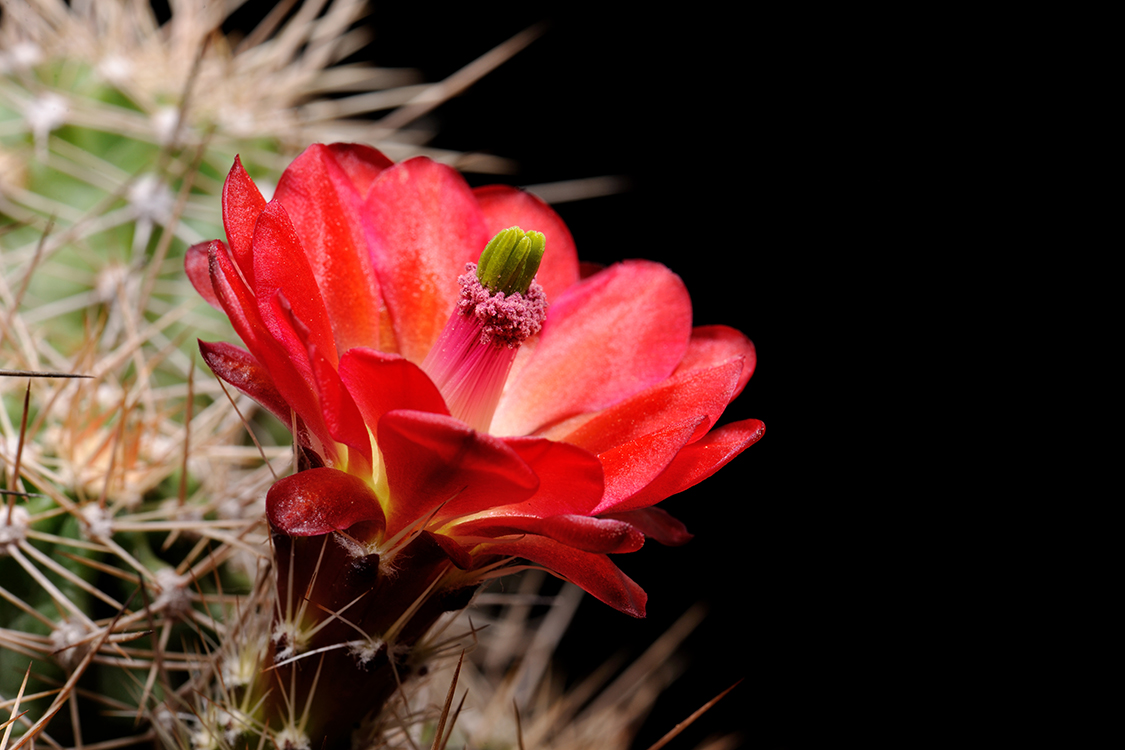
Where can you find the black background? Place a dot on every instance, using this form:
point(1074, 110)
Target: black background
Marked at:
point(717, 124)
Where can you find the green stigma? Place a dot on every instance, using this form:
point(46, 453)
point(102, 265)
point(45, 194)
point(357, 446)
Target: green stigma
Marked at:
point(511, 260)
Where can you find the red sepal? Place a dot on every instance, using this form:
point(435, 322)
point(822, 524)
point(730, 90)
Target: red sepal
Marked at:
point(592, 572)
point(235, 298)
point(571, 479)
point(456, 553)
point(433, 461)
point(695, 463)
point(242, 202)
point(380, 383)
point(280, 265)
point(319, 501)
point(696, 393)
point(711, 345)
point(601, 535)
point(655, 523)
point(341, 416)
point(631, 466)
point(239, 368)
point(323, 191)
point(198, 268)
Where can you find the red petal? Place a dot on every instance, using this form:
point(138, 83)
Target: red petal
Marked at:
point(631, 466)
point(696, 393)
point(341, 415)
point(242, 202)
point(198, 268)
point(325, 207)
point(239, 368)
point(605, 339)
point(570, 479)
point(580, 532)
point(423, 226)
point(655, 523)
point(361, 164)
point(457, 554)
point(296, 387)
point(233, 295)
point(506, 206)
point(696, 462)
point(319, 501)
point(711, 345)
point(292, 372)
point(380, 383)
point(280, 264)
point(433, 461)
point(592, 572)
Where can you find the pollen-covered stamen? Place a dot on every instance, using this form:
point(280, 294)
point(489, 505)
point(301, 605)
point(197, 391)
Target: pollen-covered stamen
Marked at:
point(499, 308)
point(502, 320)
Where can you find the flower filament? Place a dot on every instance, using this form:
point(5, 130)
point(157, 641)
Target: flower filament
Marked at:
point(499, 308)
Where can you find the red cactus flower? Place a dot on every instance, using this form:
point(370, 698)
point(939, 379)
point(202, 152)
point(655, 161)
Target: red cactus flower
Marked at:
point(344, 289)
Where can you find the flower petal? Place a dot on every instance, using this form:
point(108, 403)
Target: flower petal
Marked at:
point(456, 553)
point(423, 226)
point(242, 202)
point(436, 462)
point(711, 345)
point(655, 523)
point(506, 206)
point(325, 205)
point(198, 268)
point(341, 415)
point(319, 501)
point(344, 421)
point(239, 368)
point(601, 535)
point(696, 393)
point(294, 386)
point(605, 339)
point(292, 372)
point(592, 572)
point(630, 467)
point(235, 298)
point(380, 383)
point(570, 479)
point(696, 462)
point(280, 265)
point(360, 163)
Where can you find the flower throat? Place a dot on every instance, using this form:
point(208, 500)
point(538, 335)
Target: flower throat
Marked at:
point(500, 306)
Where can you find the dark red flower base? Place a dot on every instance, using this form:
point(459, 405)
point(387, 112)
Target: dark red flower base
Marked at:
point(366, 618)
